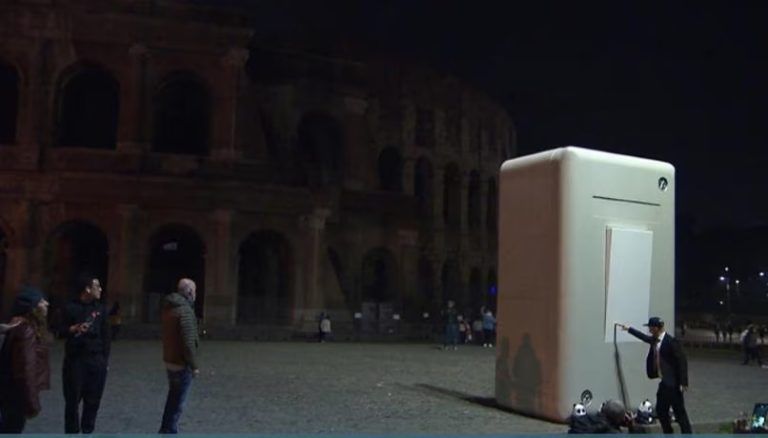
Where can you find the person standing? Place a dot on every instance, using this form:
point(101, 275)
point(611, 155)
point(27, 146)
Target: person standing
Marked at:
point(666, 360)
point(180, 343)
point(749, 344)
point(451, 316)
point(325, 327)
point(85, 327)
point(24, 364)
point(489, 326)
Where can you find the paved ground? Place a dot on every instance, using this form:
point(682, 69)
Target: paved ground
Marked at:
point(251, 387)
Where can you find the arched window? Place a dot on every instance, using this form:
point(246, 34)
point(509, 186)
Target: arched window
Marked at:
point(181, 116)
point(452, 197)
point(321, 149)
point(391, 170)
point(265, 271)
point(473, 201)
point(379, 276)
point(9, 103)
point(88, 109)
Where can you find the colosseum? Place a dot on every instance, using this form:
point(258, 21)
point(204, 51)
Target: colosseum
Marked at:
point(145, 140)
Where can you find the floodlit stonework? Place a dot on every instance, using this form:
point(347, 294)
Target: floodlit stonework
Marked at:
point(144, 140)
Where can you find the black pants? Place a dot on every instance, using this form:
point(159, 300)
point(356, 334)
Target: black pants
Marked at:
point(83, 380)
point(752, 353)
point(667, 396)
point(13, 420)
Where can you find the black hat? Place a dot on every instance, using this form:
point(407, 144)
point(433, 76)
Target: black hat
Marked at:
point(654, 321)
point(26, 300)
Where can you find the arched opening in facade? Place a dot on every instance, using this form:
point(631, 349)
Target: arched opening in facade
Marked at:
point(73, 250)
point(379, 290)
point(379, 276)
point(451, 282)
point(423, 189)
point(474, 212)
point(491, 218)
point(391, 170)
point(265, 270)
point(452, 197)
point(9, 103)
point(89, 105)
point(181, 116)
point(175, 251)
point(321, 149)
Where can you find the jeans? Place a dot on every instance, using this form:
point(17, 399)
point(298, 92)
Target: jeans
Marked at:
point(178, 386)
point(83, 381)
point(451, 334)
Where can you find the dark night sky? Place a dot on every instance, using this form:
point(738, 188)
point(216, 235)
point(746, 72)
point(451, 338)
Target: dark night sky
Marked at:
point(684, 82)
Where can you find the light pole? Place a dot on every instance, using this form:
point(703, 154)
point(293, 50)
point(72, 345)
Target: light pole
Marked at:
point(727, 282)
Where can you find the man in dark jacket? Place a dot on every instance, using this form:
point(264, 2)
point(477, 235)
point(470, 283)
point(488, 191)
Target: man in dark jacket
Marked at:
point(667, 361)
point(85, 326)
point(24, 366)
point(180, 341)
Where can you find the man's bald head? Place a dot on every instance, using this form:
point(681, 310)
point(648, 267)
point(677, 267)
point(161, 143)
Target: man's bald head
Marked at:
point(187, 288)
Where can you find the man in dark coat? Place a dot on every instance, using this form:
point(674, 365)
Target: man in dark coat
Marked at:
point(667, 361)
point(85, 326)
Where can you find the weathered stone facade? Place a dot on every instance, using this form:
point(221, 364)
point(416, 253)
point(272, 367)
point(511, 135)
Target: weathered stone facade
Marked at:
point(142, 141)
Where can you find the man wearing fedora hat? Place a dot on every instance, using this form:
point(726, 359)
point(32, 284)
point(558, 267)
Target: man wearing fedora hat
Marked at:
point(666, 360)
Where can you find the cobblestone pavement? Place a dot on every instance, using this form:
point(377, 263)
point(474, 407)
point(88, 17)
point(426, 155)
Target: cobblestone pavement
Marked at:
point(248, 387)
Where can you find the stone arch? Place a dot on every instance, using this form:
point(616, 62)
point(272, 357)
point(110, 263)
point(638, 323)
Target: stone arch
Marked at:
point(88, 106)
point(379, 276)
point(474, 211)
point(423, 188)
point(491, 218)
point(321, 147)
point(452, 196)
point(391, 170)
point(73, 249)
point(9, 103)
point(181, 115)
point(175, 251)
point(265, 271)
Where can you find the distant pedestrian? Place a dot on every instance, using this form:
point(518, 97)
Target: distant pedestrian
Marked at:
point(749, 346)
point(729, 330)
point(115, 319)
point(451, 321)
point(180, 343)
point(716, 329)
point(489, 327)
point(761, 332)
point(477, 329)
point(24, 363)
point(325, 328)
point(86, 355)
